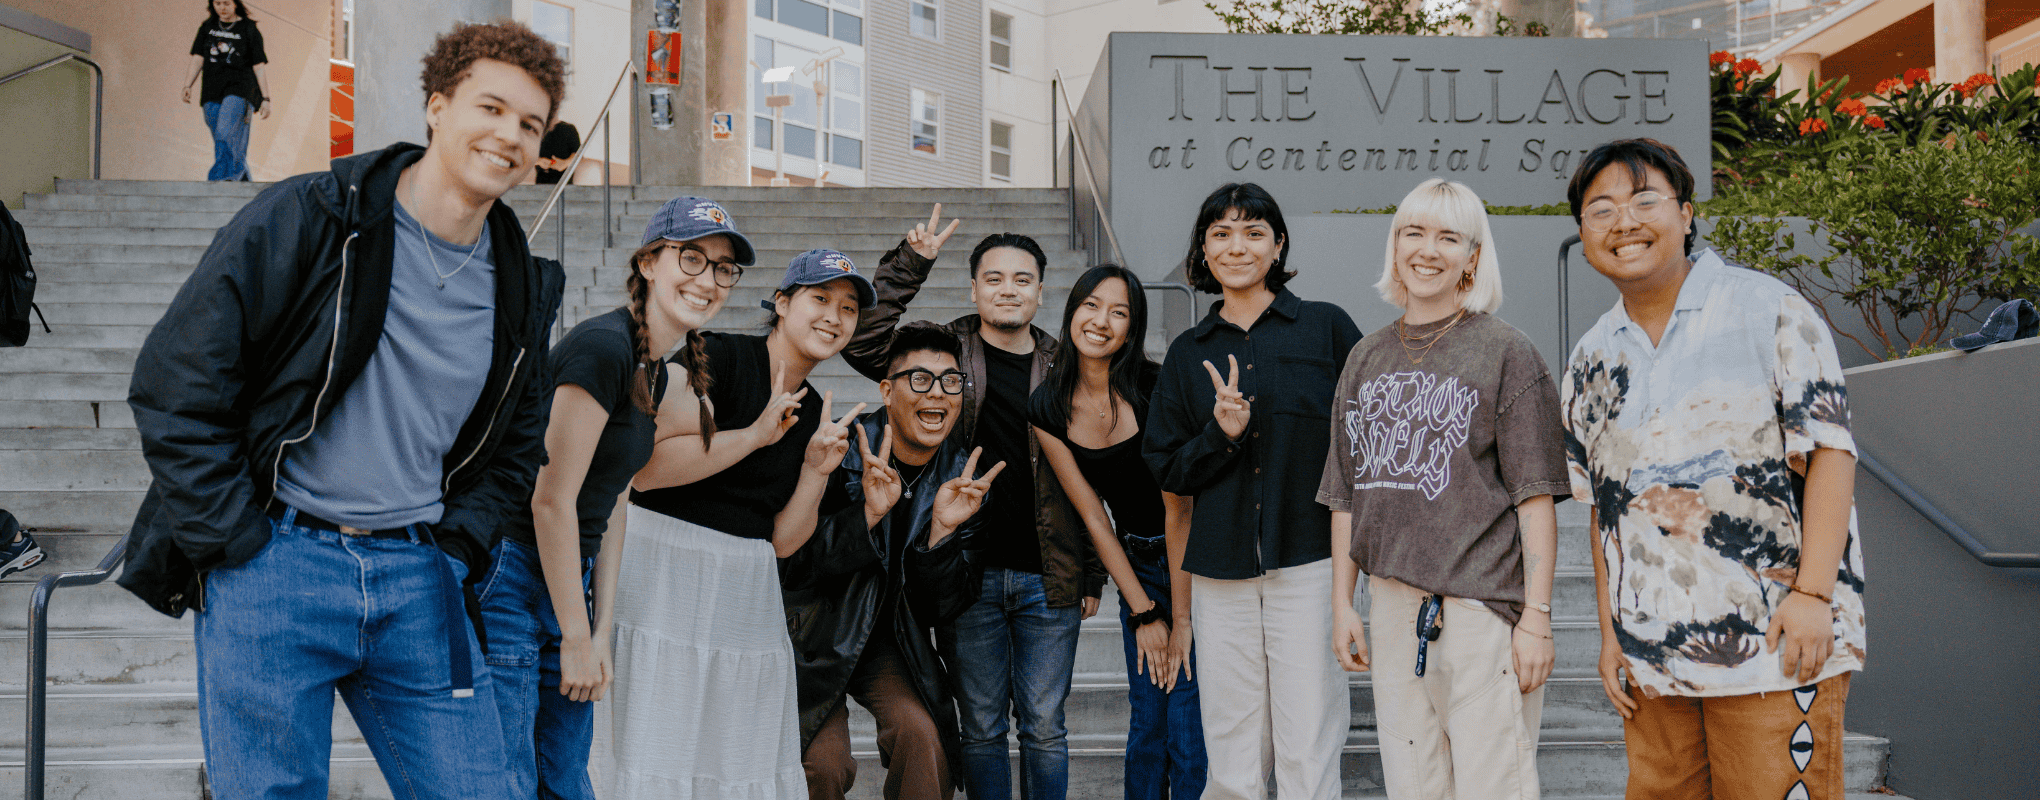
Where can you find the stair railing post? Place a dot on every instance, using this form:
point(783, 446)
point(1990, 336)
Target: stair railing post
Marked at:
point(608, 224)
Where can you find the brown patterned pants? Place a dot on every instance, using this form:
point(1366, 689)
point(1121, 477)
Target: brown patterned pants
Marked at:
point(908, 745)
point(1770, 746)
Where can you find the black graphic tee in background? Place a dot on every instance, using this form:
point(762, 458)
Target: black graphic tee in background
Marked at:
point(1011, 540)
point(231, 53)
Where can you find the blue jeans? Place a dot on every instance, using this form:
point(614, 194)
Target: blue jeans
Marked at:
point(546, 736)
point(317, 611)
point(1165, 735)
point(1011, 651)
point(228, 120)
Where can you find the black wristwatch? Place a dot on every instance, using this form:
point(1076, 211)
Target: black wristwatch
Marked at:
point(1153, 614)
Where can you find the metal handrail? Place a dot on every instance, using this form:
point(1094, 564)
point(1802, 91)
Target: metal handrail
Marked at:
point(1565, 295)
point(1097, 204)
point(567, 178)
point(98, 96)
point(1933, 514)
point(39, 658)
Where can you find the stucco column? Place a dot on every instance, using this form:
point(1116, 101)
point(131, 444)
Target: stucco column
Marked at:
point(1958, 40)
point(671, 157)
point(726, 163)
point(1797, 68)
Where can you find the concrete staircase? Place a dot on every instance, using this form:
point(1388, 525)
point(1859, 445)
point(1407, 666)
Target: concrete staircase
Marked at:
point(122, 705)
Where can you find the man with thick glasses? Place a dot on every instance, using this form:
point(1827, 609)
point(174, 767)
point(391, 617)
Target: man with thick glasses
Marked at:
point(863, 594)
point(1708, 426)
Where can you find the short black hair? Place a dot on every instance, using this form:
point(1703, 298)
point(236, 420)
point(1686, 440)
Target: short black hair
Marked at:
point(1637, 155)
point(1013, 240)
point(1254, 203)
point(915, 337)
point(562, 141)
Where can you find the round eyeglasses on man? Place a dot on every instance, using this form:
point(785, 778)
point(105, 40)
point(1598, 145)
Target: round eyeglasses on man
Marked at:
point(921, 379)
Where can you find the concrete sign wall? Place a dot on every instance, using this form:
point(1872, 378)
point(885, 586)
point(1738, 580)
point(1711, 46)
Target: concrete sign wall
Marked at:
point(1341, 122)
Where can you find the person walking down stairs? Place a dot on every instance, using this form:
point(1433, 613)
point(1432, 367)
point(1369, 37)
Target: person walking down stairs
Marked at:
point(20, 551)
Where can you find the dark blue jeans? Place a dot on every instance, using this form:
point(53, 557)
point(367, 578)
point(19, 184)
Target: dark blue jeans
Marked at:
point(1011, 652)
point(228, 121)
point(317, 611)
point(546, 736)
point(1165, 735)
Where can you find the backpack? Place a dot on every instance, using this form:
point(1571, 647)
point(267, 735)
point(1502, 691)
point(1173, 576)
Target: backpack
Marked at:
point(17, 283)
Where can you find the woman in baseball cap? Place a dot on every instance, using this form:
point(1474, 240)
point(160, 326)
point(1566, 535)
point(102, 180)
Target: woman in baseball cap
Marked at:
point(706, 695)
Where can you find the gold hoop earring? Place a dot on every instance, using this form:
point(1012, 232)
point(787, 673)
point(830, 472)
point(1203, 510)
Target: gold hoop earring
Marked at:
point(1466, 281)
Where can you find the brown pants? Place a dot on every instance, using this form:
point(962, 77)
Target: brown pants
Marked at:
point(908, 746)
point(1770, 746)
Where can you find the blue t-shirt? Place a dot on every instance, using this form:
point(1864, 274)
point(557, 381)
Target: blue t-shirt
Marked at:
point(377, 461)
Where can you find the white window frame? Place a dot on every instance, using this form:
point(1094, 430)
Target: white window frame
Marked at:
point(917, 100)
point(783, 34)
point(566, 48)
point(934, 17)
point(994, 150)
point(997, 41)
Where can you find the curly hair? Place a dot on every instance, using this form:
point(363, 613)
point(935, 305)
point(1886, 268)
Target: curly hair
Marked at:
point(454, 54)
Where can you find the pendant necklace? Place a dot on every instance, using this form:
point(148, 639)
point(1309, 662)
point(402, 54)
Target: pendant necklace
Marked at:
point(446, 276)
point(1416, 355)
point(1101, 409)
point(906, 483)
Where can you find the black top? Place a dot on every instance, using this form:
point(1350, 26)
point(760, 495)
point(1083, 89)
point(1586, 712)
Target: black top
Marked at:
point(1010, 539)
point(596, 356)
point(231, 53)
point(1256, 501)
point(742, 500)
point(1116, 472)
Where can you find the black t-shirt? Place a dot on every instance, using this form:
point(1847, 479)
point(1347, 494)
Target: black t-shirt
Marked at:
point(742, 500)
point(1117, 473)
point(1010, 538)
point(596, 356)
point(231, 53)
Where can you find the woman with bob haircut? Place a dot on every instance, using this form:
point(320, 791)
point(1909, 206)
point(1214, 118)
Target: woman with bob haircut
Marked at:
point(1088, 415)
point(1245, 443)
point(1447, 453)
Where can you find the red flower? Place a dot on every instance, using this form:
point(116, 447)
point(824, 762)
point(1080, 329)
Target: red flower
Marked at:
point(1747, 66)
point(1885, 86)
point(1812, 125)
point(1981, 79)
point(1966, 89)
point(1738, 84)
point(1719, 57)
point(1915, 76)
point(1874, 121)
point(1982, 136)
point(1852, 107)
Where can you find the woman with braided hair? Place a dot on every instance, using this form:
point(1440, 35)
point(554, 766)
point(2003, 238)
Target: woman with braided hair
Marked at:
point(549, 603)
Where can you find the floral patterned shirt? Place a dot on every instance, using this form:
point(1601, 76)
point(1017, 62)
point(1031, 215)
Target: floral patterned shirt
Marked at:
point(1694, 454)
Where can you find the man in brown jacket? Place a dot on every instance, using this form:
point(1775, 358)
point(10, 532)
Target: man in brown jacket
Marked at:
point(1016, 647)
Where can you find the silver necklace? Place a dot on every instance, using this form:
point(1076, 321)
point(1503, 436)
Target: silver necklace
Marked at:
point(446, 276)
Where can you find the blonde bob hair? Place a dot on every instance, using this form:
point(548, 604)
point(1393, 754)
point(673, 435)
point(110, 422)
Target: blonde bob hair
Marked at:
point(1452, 206)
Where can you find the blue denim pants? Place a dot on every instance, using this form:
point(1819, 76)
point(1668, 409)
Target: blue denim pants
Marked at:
point(228, 120)
point(317, 611)
point(1011, 652)
point(546, 736)
point(1165, 733)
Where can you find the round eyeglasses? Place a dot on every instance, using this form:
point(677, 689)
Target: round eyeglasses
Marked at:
point(1647, 207)
point(694, 262)
point(920, 379)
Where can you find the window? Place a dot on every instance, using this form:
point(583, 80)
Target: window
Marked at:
point(849, 28)
point(1002, 151)
point(346, 48)
point(805, 16)
point(555, 23)
point(921, 18)
point(1002, 42)
point(763, 8)
point(927, 122)
point(814, 16)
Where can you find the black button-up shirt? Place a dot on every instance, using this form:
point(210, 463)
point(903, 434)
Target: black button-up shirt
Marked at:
point(1256, 506)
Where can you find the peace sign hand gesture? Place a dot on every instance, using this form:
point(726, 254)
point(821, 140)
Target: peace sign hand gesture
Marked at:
point(1230, 408)
point(961, 497)
point(882, 485)
point(925, 240)
point(780, 413)
point(831, 440)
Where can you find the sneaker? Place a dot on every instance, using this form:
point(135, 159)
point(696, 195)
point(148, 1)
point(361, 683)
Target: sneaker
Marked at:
point(20, 554)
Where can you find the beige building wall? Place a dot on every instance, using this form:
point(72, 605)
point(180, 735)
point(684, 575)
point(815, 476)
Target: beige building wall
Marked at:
point(601, 46)
point(150, 133)
point(45, 118)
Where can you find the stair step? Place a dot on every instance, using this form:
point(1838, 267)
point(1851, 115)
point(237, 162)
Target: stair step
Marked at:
point(74, 470)
point(111, 360)
point(73, 511)
point(65, 414)
point(63, 551)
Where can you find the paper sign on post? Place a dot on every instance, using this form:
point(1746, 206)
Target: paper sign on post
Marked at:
point(722, 125)
point(662, 58)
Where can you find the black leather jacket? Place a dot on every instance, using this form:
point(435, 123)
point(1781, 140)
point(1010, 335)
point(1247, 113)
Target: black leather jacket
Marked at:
point(279, 318)
point(833, 587)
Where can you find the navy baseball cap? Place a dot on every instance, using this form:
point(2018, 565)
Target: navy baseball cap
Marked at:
point(816, 267)
point(684, 219)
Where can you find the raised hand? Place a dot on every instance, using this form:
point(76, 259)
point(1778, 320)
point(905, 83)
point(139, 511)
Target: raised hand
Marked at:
point(831, 440)
point(925, 240)
point(961, 497)
point(1230, 408)
point(881, 482)
point(780, 413)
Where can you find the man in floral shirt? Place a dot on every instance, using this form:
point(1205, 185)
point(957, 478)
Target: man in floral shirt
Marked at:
point(1708, 425)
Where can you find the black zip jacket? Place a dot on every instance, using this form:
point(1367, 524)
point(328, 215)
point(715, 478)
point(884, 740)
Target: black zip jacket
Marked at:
point(835, 584)
point(263, 340)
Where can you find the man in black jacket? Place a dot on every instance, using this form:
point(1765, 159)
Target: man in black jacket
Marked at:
point(863, 595)
point(337, 410)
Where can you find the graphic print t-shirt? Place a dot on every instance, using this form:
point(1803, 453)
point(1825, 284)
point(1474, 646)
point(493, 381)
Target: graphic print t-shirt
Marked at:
point(1431, 458)
point(231, 53)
